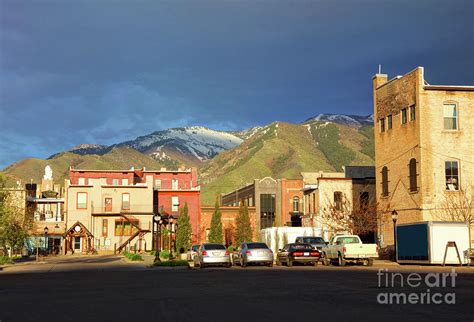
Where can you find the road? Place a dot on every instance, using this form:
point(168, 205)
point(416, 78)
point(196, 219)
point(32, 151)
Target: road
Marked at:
point(99, 288)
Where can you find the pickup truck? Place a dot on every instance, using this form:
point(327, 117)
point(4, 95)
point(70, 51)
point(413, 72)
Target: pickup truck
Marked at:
point(344, 248)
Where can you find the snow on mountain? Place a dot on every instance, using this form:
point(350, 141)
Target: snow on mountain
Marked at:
point(196, 141)
point(247, 133)
point(351, 120)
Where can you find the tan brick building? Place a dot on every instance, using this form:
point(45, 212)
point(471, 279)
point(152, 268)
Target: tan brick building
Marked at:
point(424, 145)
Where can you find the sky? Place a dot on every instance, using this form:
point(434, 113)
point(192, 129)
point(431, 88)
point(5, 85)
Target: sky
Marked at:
point(104, 71)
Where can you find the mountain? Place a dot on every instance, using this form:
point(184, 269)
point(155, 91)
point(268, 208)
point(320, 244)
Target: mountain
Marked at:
point(189, 145)
point(351, 120)
point(284, 150)
point(116, 158)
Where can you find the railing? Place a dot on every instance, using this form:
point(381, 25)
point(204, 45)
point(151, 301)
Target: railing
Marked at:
point(47, 216)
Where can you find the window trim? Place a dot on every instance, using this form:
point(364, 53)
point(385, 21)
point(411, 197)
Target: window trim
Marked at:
point(384, 183)
point(105, 227)
point(77, 200)
point(389, 122)
point(404, 116)
point(173, 204)
point(456, 109)
point(458, 176)
point(413, 176)
point(382, 125)
point(126, 193)
point(337, 203)
point(412, 112)
point(296, 201)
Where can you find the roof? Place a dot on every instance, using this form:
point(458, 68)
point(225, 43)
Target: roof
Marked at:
point(359, 172)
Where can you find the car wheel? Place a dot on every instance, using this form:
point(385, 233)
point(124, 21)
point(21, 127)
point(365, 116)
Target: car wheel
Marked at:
point(316, 263)
point(228, 265)
point(289, 262)
point(270, 264)
point(326, 261)
point(370, 262)
point(278, 263)
point(341, 261)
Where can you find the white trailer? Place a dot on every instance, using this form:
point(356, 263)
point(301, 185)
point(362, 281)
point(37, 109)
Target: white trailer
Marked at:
point(426, 242)
point(274, 237)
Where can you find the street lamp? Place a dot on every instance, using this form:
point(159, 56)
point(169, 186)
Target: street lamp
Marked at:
point(394, 218)
point(157, 220)
point(46, 229)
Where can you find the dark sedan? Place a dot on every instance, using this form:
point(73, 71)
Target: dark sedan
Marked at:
point(298, 253)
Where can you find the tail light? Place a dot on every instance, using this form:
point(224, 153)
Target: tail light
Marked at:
point(344, 250)
point(297, 254)
point(247, 252)
point(204, 253)
point(270, 251)
point(226, 252)
point(315, 254)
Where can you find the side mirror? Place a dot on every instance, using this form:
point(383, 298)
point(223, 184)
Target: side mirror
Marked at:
point(279, 250)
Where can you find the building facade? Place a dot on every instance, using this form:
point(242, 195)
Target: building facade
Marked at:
point(108, 210)
point(277, 202)
point(423, 149)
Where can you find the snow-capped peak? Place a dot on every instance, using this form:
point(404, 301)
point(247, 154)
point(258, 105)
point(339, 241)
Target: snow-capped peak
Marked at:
point(353, 120)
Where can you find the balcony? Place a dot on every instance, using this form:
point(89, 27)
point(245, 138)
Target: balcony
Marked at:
point(131, 209)
point(48, 216)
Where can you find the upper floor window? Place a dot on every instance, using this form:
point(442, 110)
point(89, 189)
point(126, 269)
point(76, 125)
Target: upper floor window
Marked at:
point(174, 204)
point(384, 181)
point(404, 116)
point(125, 182)
point(450, 117)
point(157, 184)
point(382, 125)
point(125, 201)
point(452, 175)
point(115, 182)
point(174, 184)
point(81, 200)
point(413, 112)
point(412, 171)
point(296, 204)
point(389, 121)
point(337, 200)
point(81, 181)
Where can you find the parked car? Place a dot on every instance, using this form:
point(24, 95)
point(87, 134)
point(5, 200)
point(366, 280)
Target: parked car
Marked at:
point(343, 248)
point(192, 252)
point(253, 253)
point(317, 242)
point(212, 255)
point(298, 253)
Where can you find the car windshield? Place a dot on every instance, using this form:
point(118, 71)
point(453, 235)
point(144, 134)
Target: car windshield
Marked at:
point(348, 240)
point(301, 246)
point(256, 245)
point(312, 240)
point(214, 246)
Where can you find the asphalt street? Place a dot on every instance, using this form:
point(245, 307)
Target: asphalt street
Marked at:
point(108, 288)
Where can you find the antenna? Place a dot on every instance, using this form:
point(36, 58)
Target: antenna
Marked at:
point(380, 68)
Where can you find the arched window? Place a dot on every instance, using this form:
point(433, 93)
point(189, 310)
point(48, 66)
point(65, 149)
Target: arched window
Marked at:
point(412, 171)
point(384, 181)
point(296, 204)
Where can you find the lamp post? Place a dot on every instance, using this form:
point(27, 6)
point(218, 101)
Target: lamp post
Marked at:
point(157, 220)
point(46, 229)
point(394, 218)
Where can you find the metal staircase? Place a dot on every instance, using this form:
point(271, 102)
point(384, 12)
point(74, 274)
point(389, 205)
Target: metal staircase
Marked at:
point(139, 232)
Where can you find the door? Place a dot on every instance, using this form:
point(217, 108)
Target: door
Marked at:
point(77, 244)
point(108, 204)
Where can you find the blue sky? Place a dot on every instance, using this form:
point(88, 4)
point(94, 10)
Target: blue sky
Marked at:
point(103, 72)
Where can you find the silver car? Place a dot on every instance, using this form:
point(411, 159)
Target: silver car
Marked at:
point(254, 253)
point(212, 255)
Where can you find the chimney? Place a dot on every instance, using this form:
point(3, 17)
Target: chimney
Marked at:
point(379, 79)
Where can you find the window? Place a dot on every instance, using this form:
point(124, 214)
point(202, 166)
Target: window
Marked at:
point(125, 182)
point(382, 125)
point(389, 121)
point(337, 200)
point(251, 202)
point(125, 201)
point(385, 181)
point(115, 182)
point(174, 204)
point(174, 184)
point(81, 200)
point(90, 182)
point(412, 171)
point(125, 228)
point(450, 117)
point(157, 184)
point(404, 116)
point(105, 227)
point(452, 175)
point(412, 112)
point(296, 204)
point(81, 181)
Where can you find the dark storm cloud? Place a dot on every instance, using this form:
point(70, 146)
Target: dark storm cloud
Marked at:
point(106, 71)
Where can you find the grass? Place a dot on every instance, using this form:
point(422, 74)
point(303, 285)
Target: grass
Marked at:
point(173, 263)
point(7, 260)
point(133, 257)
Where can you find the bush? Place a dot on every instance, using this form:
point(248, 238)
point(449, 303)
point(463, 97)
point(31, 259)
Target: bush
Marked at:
point(165, 254)
point(133, 257)
point(6, 260)
point(172, 263)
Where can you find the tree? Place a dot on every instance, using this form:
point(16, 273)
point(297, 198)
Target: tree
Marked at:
point(13, 224)
point(184, 231)
point(215, 234)
point(244, 229)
